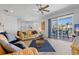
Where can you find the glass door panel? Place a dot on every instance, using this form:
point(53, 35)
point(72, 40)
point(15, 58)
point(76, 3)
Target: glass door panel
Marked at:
point(65, 27)
point(61, 28)
point(54, 28)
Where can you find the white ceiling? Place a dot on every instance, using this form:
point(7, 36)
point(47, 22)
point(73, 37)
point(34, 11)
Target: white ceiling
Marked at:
point(27, 11)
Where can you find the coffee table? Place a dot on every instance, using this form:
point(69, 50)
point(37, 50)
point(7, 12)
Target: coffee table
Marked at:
point(39, 43)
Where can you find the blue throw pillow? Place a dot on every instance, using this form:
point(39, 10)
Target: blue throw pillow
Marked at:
point(11, 37)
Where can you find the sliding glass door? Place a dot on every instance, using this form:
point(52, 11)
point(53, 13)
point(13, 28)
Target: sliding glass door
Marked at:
point(61, 28)
point(65, 27)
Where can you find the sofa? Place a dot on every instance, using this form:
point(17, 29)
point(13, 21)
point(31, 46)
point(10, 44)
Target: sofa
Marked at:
point(26, 36)
point(75, 46)
point(8, 48)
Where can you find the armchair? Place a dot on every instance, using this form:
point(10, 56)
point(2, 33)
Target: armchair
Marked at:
point(23, 37)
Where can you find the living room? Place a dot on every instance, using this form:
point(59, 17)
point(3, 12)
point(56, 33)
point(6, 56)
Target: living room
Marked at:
point(39, 29)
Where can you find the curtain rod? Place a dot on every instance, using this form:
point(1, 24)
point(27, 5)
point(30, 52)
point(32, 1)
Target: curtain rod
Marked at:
point(61, 16)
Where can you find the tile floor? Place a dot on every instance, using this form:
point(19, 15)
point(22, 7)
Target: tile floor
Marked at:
point(62, 47)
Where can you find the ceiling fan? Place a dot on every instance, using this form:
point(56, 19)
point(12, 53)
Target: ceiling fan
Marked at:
point(42, 8)
point(8, 11)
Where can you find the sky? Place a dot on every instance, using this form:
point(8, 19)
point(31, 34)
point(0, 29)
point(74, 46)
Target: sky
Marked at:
point(65, 20)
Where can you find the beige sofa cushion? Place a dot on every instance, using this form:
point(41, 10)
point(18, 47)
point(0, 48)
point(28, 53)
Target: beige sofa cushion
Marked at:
point(2, 37)
point(1, 50)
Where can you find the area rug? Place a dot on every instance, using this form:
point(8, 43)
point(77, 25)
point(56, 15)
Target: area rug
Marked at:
point(47, 47)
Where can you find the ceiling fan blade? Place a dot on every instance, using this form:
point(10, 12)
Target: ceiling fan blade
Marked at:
point(42, 8)
point(47, 10)
point(46, 6)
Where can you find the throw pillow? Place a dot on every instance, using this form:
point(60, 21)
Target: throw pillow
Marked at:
point(20, 44)
point(10, 37)
point(8, 46)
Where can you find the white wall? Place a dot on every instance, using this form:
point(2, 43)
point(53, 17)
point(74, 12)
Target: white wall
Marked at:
point(46, 25)
point(24, 25)
point(9, 22)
